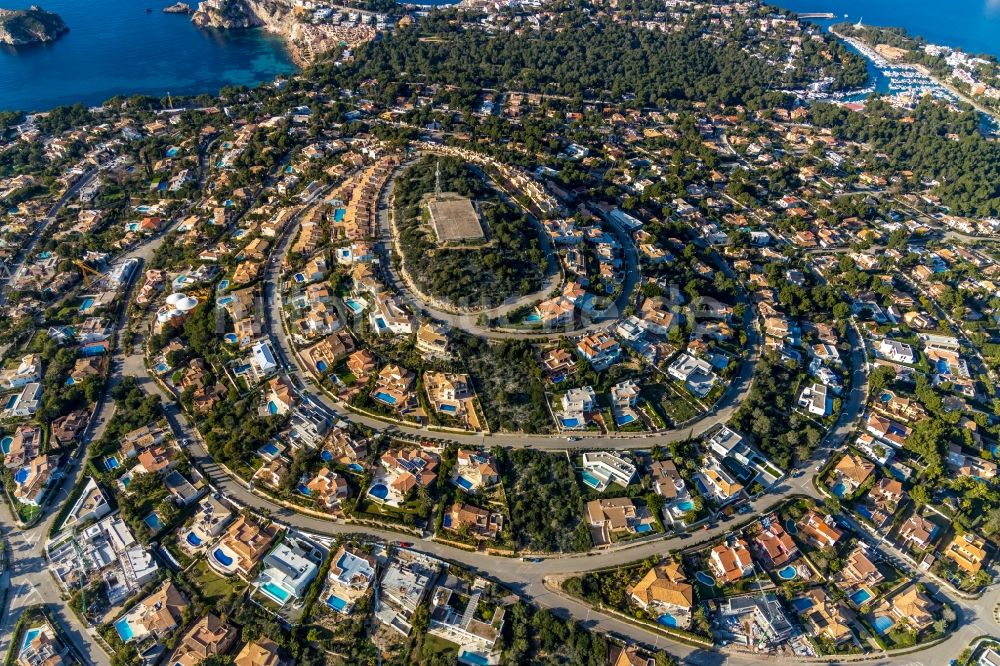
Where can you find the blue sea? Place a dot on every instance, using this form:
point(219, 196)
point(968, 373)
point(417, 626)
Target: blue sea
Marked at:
point(115, 47)
point(971, 25)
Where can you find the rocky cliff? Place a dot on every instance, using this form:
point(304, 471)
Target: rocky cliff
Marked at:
point(228, 14)
point(30, 26)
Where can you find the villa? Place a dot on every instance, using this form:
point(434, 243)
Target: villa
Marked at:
point(394, 388)
point(577, 404)
point(897, 352)
point(351, 574)
point(208, 637)
point(280, 396)
point(67, 428)
point(731, 562)
point(558, 363)
point(432, 341)
point(887, 429)
point(967, 551)
point(404, 470)
point(601, 349)
point(23, 446)
point(814, 399)
point(602, 468)
point(210, 518)
point(694, 372)
point(608, 516)
point(859, 570)
point(41, 646)
point(91, 505)
point(666, 480)
point(555, 312)
point(242, 547)
point(828, 618)
point(25, 403)
point(755, 619)
point(665, 592)
point(389, 316)
point(819, 531)
point(157, 615)
point(479, 522)
point(288, 570)
point(27, 371)
point(774, 545)
point(624, 397)
point(450, 394)
point(918, 532)
point(656, 315)
point(474, 470)
point(361, 364)
point(913, 607)
point(882, 501)
point(718, 482)
point(405, 583)
point(850, 473)
point(262, 359)
point(261, 652)
point(328, 487)
point(31, 488)
point(328, 352)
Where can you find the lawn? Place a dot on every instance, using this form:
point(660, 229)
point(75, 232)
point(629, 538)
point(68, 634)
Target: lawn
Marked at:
point(211, 585)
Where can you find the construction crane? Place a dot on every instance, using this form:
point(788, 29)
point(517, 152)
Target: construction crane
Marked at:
point(91, 276)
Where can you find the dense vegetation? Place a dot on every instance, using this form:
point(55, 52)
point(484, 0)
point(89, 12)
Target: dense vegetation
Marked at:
point(511, 264)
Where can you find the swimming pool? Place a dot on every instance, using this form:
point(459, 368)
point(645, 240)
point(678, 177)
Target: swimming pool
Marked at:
point(272, 407)
point(787, 573)
point(321, 366)
point(231, 338)
point(643, 528)
point(686, 505)
point(533, 318)
point(379, 491)
point(304, 489)
point(29, 636)
point(222, 558)
point(667, 620)
point(451, 409)
point(838, 489)
point(11, 400)
point(591, 480)
point(70, 381)
point(93, 350)
point(446, 521)
point(474, 658)
point(299, 277)
point(326, 455)
point(87, 304)
point(356, 307)
point(704, 578)
point(860, 597)
point(111, 464)
point(571, 423)
point(276, 592)
point(152, 521)
point(270, 449)
point(338, 215)
point(5, 444)
point(21, 475)
point(382, 396)
point(225, 300)
point(193, 540)
point(172, 151)
point(355, 467)
point(336, 603)
point(124, 629)
point(802, 604)
point(882, 624)
point(463, 482)
point(790, 526)
point(624, 419)
point(162, 368)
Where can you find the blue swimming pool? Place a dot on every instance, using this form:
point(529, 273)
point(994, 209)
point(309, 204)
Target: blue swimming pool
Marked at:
point(10, 401)
point(882, 624)
point(86, 305)
point(355, 467)
point(124, 629)
point(860, 597)
point(705, 579)
point(356, 307)
point(299, 277)
point(162, 367)
point(474, 658)
point(787, 573)
point(29, 636)
point(225, 300)
point(224, 284)
point(193, 540)
point(463, 482)
point(111, 464)
point(624, 419)
point(644, 528)
point(338, 214)
point(446, 521)
point(172, 151)
point(231, 338)
point(790, 526)
point(326, 455)
point(304, 489)
point(451, 409)
point(153, 521)
point(336, 603)
point(5, 444)
point(222, 558)
point(802, 604)
point(272, 407)
point(21, 475)
point(667, 620)
point(591, 480)
point(382, 396)
point(92, 350)
point(571, 423)
point(379, 491)
point(838, 489)
point(686, 505)
point(321, 366)
point(276, 592)
point(533, 317)
point(270, 449)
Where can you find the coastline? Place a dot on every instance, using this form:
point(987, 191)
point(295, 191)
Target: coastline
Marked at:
point(867, 50)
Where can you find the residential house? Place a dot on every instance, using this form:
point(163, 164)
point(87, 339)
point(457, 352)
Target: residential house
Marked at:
point(967, 551)
point(819, 530)
point(479, 522)
point(665, 590)
point(731, 561)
